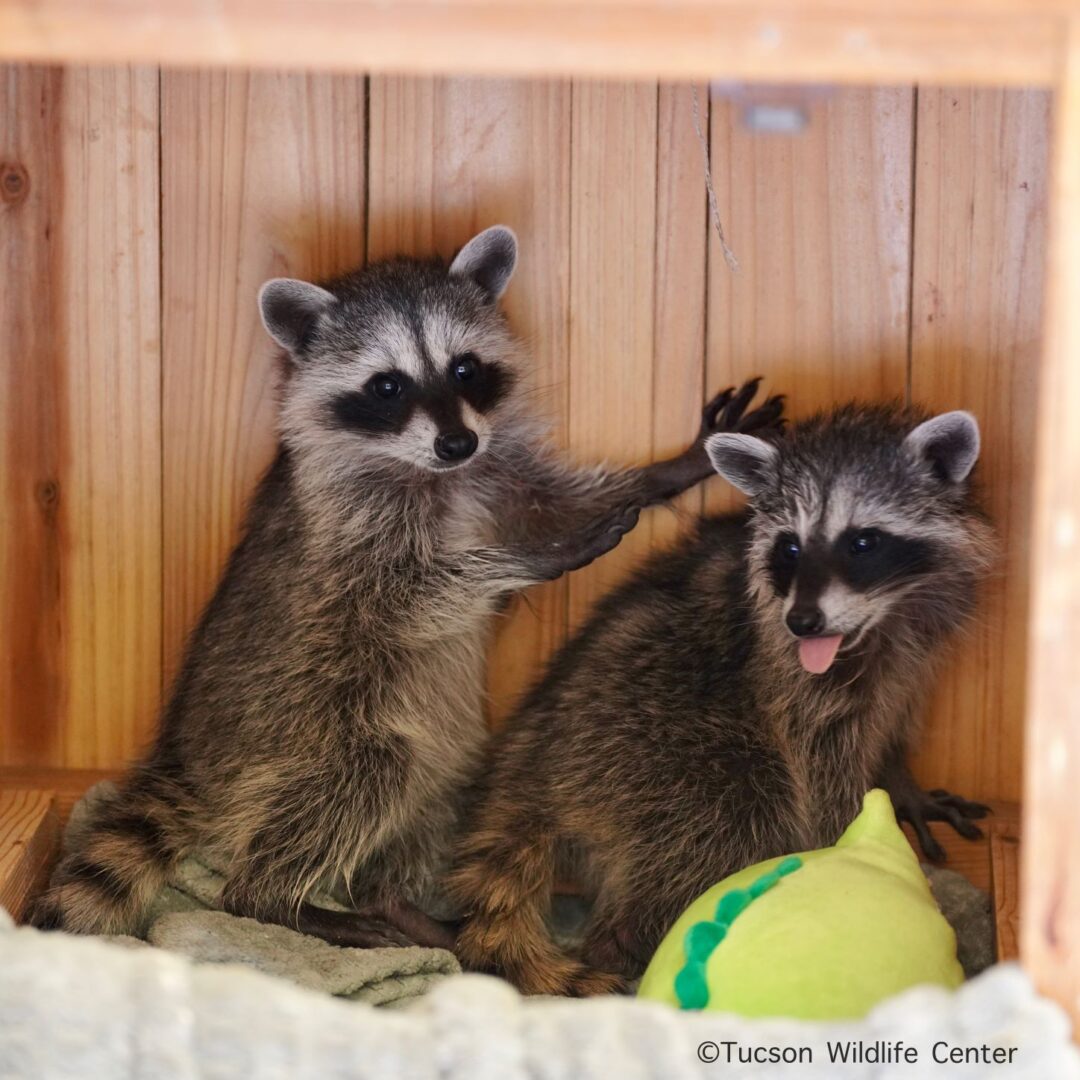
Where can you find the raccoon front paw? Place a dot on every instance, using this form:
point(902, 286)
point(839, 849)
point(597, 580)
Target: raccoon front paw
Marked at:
point(917, 807)
point(590, 982)
point(572, 553)
point(727, 412)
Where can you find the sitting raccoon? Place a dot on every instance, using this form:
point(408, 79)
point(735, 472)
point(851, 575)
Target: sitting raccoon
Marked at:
point(329, 709)
point(736, 699)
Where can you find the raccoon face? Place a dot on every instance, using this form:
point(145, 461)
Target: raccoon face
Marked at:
point(858, 518)
point(404, 362)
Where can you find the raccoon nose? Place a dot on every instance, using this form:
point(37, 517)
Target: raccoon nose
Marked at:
point(456, 446)
point(805, 621)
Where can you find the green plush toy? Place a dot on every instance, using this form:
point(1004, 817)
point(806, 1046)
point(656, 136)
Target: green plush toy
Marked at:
point(820, 936)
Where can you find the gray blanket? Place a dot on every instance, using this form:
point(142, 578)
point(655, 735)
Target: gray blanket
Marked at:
point(185, 918)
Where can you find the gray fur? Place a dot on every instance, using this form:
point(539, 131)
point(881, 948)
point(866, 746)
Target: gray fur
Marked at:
point(289, 308)
point(677, 739)
point(329, 710)
point(745, 461)
point(949, 441)
point(488, 259)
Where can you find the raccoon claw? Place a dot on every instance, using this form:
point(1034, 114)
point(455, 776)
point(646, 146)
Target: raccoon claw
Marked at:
point(769, 417)
point(939, 805)
point(710, 415)
point(727, 411)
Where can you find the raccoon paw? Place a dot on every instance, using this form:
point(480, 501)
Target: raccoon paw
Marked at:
point(727, 412)
point(590, 982)
point(596, 539)
point(919, 807)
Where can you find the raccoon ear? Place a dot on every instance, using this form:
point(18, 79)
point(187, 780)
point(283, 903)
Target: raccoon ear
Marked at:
point(290, 309)
point(488, 259)
point(949, 443)
point(746, 462)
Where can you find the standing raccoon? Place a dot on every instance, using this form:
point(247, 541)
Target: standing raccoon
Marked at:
point(736, 699)
point(329, 708)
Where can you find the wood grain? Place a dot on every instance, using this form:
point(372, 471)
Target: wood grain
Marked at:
point(80, 402)
point(681, 247)
point(820, 224)
point(29, 842)
point(67, 785)
point(989, 41)
point(1005, 866)
point(1050, 928)
point(449, 157)
point(979, 250)
point(262, 176)
point(612, 294)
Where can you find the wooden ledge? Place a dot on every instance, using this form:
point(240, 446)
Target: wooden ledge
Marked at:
point(1002, 42)
point(29, 843)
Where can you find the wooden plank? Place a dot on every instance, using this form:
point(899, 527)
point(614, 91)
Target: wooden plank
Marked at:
point(1005, 864)
point(999, 41)
point(979, 242)
point(1050, 926)
point(820, 223)
point(262, 176)
point(80, 402)
point(29, 843)
point(681, 246)
point(449, 157)
point(612, 299)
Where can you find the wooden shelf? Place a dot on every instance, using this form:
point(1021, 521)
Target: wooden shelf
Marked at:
point(990, 41)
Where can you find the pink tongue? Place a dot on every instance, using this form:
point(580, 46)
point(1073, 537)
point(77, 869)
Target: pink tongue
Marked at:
point(816, 654)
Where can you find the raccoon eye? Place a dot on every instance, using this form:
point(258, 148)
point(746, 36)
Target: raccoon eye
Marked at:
point(862, 543)
point(790, 549)
point(385, 386)
point(465, 366)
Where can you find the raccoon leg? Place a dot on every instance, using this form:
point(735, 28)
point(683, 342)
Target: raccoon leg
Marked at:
point(369, 929)
point(517, 566)
point(504, 886)
point(256, 893)
point(124, 857)
point(917, 807)
point(726, 412)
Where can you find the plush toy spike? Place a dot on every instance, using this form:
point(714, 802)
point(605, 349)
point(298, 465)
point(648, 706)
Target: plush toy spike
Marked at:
point(854, 925)
point(691, 986)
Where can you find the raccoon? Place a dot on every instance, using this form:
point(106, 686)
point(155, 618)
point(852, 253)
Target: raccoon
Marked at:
point(734, 700)
point(329, 709)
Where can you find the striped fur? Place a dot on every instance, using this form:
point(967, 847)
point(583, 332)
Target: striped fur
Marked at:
point(677, 739)
point(329, 712)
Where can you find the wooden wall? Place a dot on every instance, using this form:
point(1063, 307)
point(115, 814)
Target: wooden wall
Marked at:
point(895, 248)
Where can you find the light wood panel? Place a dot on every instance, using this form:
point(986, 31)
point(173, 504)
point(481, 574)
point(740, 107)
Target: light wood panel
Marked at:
point(979, 250)
point(612, 289)
point(1005, 865)
point(79, 399)
point(1050, 929)
point(449, 157)
point(1000, 41)
point(637, 308)
point(29, 842)
point(820, 224)
point(262, 176)
point(679, 390)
